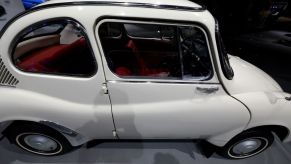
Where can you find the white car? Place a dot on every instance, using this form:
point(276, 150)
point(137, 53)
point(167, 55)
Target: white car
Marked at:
point(73, 71)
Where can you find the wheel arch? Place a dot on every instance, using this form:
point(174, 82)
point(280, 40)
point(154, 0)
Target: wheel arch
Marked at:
point(281, 131)
point(222, 139)
point(73, 137)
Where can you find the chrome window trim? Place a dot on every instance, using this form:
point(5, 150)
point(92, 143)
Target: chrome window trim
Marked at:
point(162, 82)
point(212, 77)
point(128, 4)
point(72, 21)
point(101, 3)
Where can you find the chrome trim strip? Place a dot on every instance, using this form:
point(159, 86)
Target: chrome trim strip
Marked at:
point(59, 128)
point(75, 138)
point(9, 86)
point(211, 76)
point(56, 20)
point(161, 82)
point(129, 4)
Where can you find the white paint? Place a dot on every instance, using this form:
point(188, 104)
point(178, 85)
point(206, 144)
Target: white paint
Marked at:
point(141, 110)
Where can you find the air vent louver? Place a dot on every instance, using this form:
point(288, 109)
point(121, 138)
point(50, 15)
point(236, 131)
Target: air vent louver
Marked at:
point(6, 78)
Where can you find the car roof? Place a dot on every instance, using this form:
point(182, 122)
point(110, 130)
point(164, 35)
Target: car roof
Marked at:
point(179, 3)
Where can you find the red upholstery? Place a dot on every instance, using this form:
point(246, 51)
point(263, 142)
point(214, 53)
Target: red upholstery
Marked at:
point(123, 71)
point(143, 69)
point(36, 61)
point(41, 60)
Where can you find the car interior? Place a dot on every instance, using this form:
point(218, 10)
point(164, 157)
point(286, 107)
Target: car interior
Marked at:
point(146, 51)
point(128, 54)
point(157, 51)
point(59, 48)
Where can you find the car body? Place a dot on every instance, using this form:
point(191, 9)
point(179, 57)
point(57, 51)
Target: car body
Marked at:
point(154, 70)
point(273, 46)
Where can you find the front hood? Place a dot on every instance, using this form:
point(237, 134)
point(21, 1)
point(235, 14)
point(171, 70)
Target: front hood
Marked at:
point(249, 78)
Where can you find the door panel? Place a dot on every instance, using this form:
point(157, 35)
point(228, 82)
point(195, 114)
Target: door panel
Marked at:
point(162, 82)
point(167, 110)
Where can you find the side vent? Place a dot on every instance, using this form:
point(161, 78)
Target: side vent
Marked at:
point(6, 78)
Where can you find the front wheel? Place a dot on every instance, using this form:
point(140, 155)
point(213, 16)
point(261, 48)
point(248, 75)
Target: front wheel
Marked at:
point(40, 140)
point(247, 145)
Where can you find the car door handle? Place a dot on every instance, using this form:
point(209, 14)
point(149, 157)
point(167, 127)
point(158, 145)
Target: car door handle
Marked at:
point(207, 90)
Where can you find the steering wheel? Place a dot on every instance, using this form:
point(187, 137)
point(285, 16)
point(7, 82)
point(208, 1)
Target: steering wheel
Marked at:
point(190, 48)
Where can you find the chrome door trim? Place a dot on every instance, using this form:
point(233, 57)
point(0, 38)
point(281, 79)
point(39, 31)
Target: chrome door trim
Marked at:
point(162, 82)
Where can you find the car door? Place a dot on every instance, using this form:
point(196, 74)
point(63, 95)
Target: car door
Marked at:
point(52, 74)
point(162, 82)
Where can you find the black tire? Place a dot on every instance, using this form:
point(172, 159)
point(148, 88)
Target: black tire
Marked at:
point(246, 145)
point(24, 135)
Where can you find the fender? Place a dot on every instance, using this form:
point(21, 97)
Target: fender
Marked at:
point(75, 138)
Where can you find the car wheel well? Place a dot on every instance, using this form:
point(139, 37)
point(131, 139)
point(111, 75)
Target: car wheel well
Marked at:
point(18, 132)
point(14, 124)
point(281, 131)
point(76, 139)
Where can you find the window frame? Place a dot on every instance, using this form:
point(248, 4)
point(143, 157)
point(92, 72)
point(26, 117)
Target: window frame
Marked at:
point(20, 35)
point(212, 78)
point(223, 55)
point(40, 35)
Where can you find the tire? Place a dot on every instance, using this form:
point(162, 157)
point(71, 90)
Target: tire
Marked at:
point(38, 139)
point(246, 145)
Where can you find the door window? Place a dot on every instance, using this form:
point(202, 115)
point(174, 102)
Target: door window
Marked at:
point(54, 47)
point(136, 50)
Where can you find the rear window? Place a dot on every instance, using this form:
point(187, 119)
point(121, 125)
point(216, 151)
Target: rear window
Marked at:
point(54, 47)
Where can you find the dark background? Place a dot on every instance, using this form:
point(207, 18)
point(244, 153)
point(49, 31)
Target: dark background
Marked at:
point(258, 31)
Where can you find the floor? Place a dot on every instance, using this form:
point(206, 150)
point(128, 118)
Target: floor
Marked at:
point(12, 8)
point(179, 152)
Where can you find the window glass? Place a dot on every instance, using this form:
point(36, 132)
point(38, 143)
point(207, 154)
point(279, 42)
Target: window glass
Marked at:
point(196, 59)
point(46, 30)
point(56, 47)
point(155, 51)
